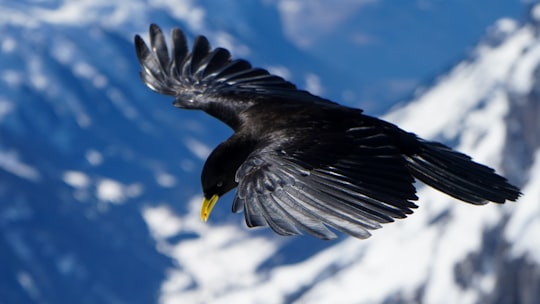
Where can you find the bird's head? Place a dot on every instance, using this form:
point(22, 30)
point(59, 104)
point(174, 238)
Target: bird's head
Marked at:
point(218, 174)
point(215, 183)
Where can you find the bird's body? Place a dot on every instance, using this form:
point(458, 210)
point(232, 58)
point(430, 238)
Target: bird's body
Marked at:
point(302, 163)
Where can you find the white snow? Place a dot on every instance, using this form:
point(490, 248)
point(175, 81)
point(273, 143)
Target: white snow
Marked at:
point(8, 45)
point(305, 21)
point(112, 191)
point(165, 180)
point(218, 262)
point(76, 179)
point(521, 80)
point(87, 11)
point(227, 41)
point(187, 165)
point(441, 110)
point(524, 226)
point(66, 263)
point(161, 220)
point(14, 16)
point(94, 157)
point(119, 100)
point(280, 70)
point(6, 107)
point(313, 84)
point(64, 50)
point(198, 148)
point(506, 25)
point(37, 76)
point(12, 78)
point(67, 53)
point(188, 11)
point(26, 280)
point(10, 162)
point(482, 140)
point(106, 13)
point(535, 12)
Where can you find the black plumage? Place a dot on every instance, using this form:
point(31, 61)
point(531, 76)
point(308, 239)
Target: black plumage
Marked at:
point(302, 163)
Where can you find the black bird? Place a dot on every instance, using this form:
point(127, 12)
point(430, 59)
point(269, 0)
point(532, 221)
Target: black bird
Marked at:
point(302, 163)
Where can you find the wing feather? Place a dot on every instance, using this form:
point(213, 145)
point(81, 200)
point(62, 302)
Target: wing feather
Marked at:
point(214, 61)
point(278, 218)
point(153, 74)
point(339, 219)
point(207, 74)
point(159, 47)
point(254, 214)
point(201, 68)
point(320, 178)
point(201, 49)
point(179, 52)
point(301, 217)
point(366, 185)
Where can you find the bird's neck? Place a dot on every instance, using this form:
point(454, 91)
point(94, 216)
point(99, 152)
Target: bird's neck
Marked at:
point(227, 112)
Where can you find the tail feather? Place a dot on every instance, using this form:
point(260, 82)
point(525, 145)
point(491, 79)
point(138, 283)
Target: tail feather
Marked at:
point(457, 175)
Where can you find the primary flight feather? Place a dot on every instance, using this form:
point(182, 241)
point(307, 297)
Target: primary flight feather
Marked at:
point(302, 163)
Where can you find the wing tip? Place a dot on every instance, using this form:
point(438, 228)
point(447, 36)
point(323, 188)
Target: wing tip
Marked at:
point(184, 69)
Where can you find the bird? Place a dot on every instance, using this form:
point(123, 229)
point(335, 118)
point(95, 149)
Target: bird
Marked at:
point(300, 163)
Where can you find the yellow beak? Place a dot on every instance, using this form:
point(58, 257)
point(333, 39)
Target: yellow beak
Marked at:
point(207, 206)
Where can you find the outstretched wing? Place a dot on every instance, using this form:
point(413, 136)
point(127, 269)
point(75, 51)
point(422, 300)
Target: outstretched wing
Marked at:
point(351, 182)
point(206, 74)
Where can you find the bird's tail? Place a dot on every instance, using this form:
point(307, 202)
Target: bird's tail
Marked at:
point(457, 175)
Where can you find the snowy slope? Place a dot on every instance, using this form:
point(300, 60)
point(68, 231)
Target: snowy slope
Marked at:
point(100, 196)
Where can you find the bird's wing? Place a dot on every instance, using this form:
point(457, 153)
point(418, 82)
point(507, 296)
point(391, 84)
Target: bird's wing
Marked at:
point(352, 182)
point(206, 73)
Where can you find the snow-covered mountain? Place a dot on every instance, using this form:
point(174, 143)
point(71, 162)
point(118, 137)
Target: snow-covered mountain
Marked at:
point(99, 190)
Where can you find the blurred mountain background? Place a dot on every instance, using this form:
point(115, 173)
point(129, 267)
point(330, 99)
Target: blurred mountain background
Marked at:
point(99, 176)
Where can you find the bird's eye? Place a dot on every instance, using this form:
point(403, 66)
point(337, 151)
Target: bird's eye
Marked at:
point(219, 184)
